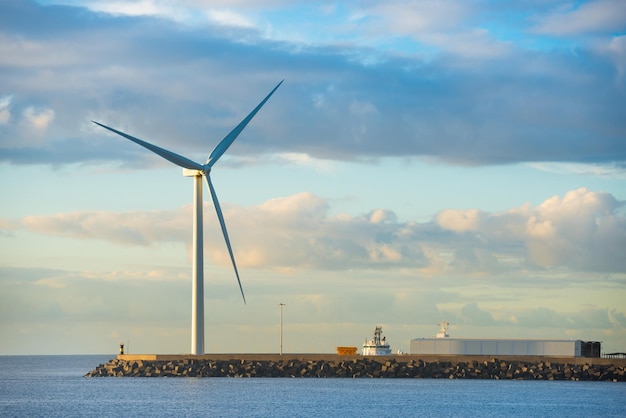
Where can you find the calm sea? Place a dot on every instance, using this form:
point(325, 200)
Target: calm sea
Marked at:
point(53, 386)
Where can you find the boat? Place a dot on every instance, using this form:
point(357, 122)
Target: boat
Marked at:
point(377, 346)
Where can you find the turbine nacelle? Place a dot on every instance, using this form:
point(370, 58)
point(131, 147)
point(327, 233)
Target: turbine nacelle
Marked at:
point(187, 172)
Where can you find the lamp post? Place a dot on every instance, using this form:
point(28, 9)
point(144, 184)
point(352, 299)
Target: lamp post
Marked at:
point(281, 327)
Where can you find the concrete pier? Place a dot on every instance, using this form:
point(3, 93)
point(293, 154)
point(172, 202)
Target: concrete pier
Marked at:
point(333, 365)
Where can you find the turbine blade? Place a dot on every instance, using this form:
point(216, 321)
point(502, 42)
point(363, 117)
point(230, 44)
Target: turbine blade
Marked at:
point(220, 216)
point(168, 155)
point(228, 139)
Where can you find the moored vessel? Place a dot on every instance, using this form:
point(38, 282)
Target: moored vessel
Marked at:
point(377, 346)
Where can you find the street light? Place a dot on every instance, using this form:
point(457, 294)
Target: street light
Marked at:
point(281, 327)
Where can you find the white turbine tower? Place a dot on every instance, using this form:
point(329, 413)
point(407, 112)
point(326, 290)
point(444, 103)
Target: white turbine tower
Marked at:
point(198, 171)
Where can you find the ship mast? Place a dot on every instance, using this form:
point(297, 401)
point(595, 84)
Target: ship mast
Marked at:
point(377, 334)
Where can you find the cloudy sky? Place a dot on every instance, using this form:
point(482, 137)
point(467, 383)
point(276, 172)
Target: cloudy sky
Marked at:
point(424, 161)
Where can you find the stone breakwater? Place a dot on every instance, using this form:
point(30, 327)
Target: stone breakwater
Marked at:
point(363, 367)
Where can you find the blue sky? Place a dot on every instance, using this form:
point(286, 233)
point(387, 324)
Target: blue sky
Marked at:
point(423, 161)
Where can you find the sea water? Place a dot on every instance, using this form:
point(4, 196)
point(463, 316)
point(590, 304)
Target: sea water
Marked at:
point(54, 386)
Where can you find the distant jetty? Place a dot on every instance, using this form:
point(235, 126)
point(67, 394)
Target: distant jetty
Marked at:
point(335, 366)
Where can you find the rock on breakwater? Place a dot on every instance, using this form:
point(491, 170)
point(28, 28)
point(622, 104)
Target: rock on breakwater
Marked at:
point(362, 367)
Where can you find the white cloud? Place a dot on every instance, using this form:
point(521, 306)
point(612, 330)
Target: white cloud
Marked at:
point(380, 215)
point(38, 119)
point(5, 111)
point(415, 17)
point(29, 129)
point(133, 7)
point(292, 210)
point(582, 230)
point(472, 313)
point(130, 228)
point(32, 128)
point(305, 160)
point(474, 43)
point(446, 25)
point(225, 13)
point(230, 18)
point(617, 51)
point(601, 170)
point(459, 220)
point(592, 16)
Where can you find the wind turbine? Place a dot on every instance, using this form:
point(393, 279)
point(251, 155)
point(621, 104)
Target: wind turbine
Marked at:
point(198, 171)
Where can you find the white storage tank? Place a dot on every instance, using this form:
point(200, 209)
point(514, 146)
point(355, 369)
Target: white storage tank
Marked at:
point(442, 344)
point(555, 348)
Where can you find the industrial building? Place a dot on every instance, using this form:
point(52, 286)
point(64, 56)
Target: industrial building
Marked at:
point(442, 344)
